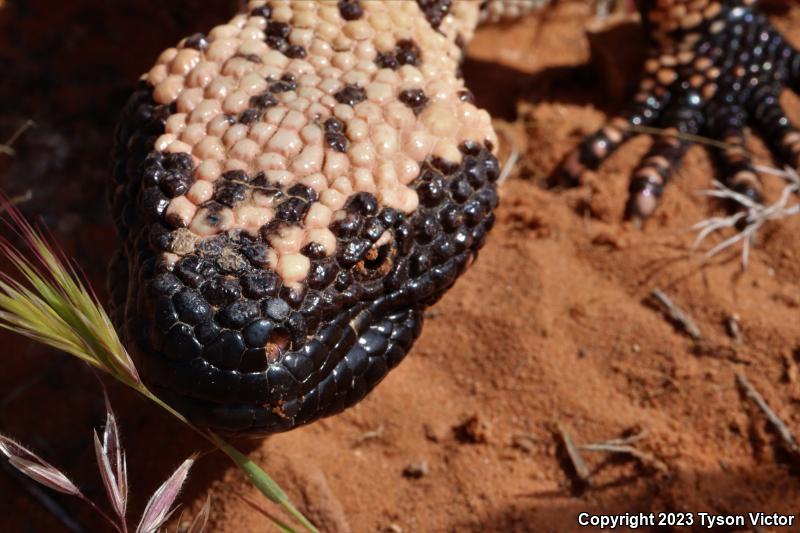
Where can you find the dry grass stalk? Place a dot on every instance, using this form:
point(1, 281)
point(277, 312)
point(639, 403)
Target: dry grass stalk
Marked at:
point(372, 434)
point(511, 160)
point(643, 457)
point(575, 457)
point(783, 431)
point(200, 521)
point(7, 147)
point(284, 528)
point(19, 199)
point(677, 315)
point(698, 139)
point(625, 446)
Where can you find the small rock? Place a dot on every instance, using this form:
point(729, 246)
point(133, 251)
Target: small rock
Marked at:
point(416, 470)
point(434, 434)
point(524, 442)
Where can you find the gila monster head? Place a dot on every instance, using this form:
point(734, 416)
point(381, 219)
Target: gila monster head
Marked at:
point(293, 190)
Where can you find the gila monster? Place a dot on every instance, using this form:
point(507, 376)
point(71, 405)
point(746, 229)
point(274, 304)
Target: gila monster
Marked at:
point(294, 188)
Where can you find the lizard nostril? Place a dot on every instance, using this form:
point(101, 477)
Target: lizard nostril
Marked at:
point(277, 344)
point(265, 334)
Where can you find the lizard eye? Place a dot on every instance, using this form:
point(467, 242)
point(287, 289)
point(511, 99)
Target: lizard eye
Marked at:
point(377, 261)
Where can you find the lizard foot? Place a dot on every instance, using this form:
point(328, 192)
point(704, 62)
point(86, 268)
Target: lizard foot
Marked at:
point(714, 68)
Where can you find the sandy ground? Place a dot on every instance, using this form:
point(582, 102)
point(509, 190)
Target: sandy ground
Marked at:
point(552, 331)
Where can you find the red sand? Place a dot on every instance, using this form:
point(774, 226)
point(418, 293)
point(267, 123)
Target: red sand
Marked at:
point(552, 326)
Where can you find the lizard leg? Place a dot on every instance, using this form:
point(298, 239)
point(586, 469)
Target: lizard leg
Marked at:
point(734, 160)
point(723, 62)
point(663, 158)
point(771, 120)
point(795, 71)
point(599, 146)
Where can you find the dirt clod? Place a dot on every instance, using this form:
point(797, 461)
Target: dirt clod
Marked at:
point(475, 430)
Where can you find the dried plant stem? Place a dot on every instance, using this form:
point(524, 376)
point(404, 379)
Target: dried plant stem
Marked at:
point(511, 161)
point(575, 457)
point(280, 525)
point(677, 315)
point(626, 449)
point(105, 515)
point(6, 147)
point(27, 196)
point(698, 139)
point(624, 441)
point(783, 431)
